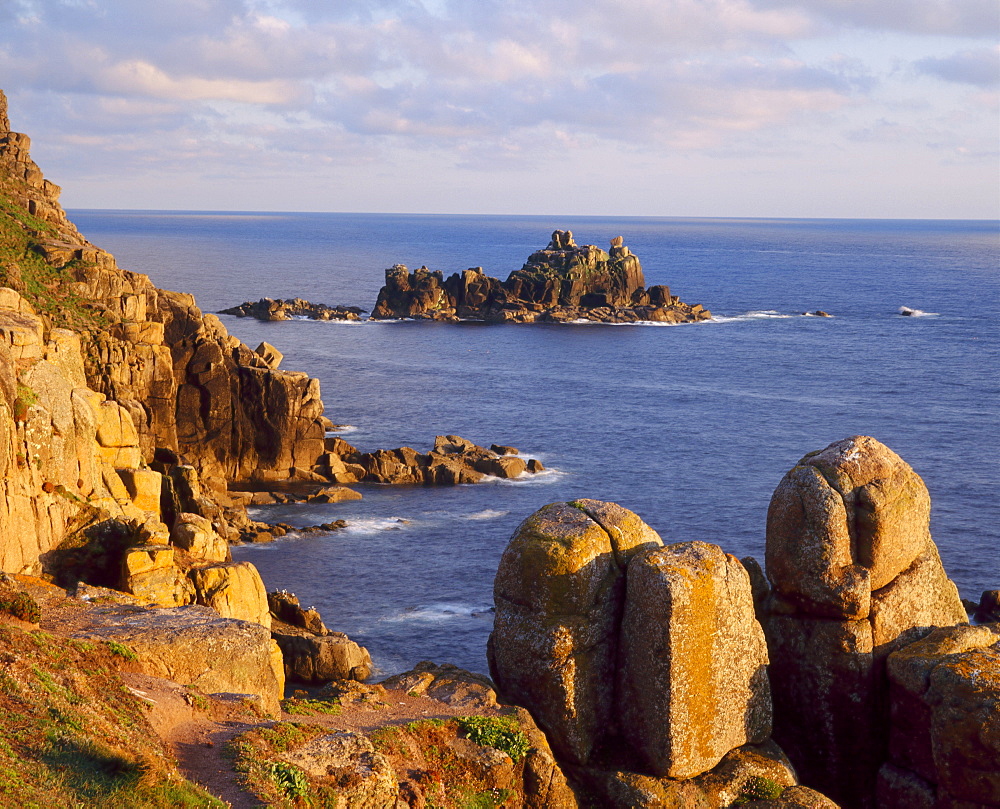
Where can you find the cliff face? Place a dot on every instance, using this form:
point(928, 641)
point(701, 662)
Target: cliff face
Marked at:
point(192, 389)
point(102, 374)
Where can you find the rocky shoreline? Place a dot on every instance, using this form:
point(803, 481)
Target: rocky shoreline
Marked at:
point(134, 433)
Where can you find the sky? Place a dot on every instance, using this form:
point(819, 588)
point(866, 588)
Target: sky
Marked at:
point(736, 108)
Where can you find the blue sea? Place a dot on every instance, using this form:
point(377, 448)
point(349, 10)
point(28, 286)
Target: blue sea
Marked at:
point(690, 426)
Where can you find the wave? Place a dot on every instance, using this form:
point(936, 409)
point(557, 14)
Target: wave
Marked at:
point(439, 612)
point(542, 478)
point(906, 311)
point(342, 428)
point(368, 526)
point(486, 514)
point(761, 314)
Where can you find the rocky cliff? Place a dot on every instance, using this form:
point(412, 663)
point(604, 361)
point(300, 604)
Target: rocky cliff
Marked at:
point(193, 392)
point(561, 283)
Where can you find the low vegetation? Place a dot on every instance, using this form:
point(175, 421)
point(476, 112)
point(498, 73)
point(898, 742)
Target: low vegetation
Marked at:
point(72, 733)
point(255, 755)
point(298, 706)
point(502, 733)
point(48, 288)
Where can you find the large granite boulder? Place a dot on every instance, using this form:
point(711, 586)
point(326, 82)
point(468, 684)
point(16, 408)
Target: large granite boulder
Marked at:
point(194, 645)
point(944, 744)
point(234, 590)
point(693, 660)
point(855, 576)
point(643, 663)
point(559, 595)
point(317, 659)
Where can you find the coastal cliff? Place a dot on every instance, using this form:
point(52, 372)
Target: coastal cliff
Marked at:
point(626, 672)
point(192, 390)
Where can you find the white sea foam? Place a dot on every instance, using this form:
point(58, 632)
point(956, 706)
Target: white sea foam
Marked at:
point(341, 429)
point(544, 477)
point(906, 311)
point(440, 611)
point(486, 514)
point(762, 314)
point(367, 526)
point(585, 322)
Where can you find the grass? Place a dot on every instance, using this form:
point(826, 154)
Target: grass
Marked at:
point(72, 735)
point(502, 733)
point(48, 289)
point(122, 650)
point(310, 707)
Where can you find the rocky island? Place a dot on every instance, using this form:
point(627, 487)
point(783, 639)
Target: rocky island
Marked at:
point(625, 672)
point(268, 309)
point(562, 283)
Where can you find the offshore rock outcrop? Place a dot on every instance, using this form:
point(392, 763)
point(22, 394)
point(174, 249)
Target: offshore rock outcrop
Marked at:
point(451, 461)
point(268, 309)
point(563, 282)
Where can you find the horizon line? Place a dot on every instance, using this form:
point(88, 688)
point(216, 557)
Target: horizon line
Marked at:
point(278, 212)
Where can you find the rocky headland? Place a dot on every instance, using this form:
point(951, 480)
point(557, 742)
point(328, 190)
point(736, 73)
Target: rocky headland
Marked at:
point(626, 672)
point(562, 283)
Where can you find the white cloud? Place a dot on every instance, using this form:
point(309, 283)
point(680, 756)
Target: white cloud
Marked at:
point(499, 83)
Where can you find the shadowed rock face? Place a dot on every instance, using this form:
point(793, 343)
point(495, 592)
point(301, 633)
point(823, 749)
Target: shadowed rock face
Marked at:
point(855, 576)
point(944, 744)
point(560, 283)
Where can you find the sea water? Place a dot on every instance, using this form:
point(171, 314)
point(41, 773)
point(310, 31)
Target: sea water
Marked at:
point(690, 426)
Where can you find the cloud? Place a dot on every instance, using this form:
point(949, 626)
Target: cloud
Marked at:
point(508, 83)
point(980, 67)
point(964, 18)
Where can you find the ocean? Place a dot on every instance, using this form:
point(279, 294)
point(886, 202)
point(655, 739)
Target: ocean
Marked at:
point(690, 426)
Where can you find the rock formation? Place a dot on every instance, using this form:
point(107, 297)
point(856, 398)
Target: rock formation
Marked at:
point(944, 736)
point(561, 283)
point(643, 663)
point(452, 460)
point(190, 388)
point(269, 309)
point(312, 653)
point(855, 577)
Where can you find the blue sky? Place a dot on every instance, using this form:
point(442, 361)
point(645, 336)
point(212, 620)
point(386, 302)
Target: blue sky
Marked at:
point(839, 108)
